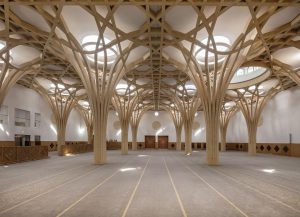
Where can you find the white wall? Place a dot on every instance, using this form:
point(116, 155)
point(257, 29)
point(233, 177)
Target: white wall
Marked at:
point(145, 127)
point(27, 99)
point(281, 116)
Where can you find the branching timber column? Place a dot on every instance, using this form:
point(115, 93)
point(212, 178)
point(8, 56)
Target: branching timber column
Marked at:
point(228, 111)
point(62, 98)
point(211, 64)
point(101, 61)
point(252, 101)
point(176, 116)
point(178, 123)
point(10, 74)
point(135, 119)
point(87, 115)
point(287, 70)
point(188, 103)
point(124, 101)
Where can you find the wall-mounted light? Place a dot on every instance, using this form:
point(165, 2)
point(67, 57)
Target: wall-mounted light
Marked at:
point(196, 114)
point(159, 131)
point(198, 131)
point(80, 130)
point(53, 129)
point(1, 127)
point(119, 132)
point(156, 114)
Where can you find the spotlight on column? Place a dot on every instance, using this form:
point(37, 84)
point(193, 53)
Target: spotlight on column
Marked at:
point(156, 114)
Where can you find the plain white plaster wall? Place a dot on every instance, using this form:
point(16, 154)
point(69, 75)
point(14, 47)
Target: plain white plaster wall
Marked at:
point(27, 99)
point(281, 117)
point(145, 127)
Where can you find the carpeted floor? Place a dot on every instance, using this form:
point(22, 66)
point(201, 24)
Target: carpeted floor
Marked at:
point(152, 183)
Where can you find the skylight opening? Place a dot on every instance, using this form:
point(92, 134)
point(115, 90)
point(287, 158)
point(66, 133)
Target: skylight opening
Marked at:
point(247, 73)
point(190, 89)
point(121, 88)
point(89, 43)
point(84, 104)
point(222, 44)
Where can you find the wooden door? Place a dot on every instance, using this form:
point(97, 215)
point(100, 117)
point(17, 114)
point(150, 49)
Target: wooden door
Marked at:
point(149, 141)
point(163, 142)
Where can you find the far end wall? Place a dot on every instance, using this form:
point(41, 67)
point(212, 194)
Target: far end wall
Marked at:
point(281, 117)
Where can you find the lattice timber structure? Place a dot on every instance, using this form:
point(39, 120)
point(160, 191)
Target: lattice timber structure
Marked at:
point(135, 56)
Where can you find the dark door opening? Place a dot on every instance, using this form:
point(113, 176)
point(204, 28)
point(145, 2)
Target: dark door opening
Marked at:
point(163, 142)
point(37, 140)
point(149, 141)
point(22, 140)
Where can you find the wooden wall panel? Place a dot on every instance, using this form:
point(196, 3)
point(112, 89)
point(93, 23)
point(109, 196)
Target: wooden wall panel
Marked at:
point(76, 148)
point(19, 154)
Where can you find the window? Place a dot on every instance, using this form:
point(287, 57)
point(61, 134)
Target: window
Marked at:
point(4, 114)
point(22, 118)
point(37, 120)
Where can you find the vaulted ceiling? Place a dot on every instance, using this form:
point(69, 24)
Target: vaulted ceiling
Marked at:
point(50, 41)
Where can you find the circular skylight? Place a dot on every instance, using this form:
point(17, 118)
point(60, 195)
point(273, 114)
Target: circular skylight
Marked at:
point(247, 73)
point(190, 89)
point(89, 43)
point(229, 105)
point(60, 87)
point(122, 88)
point(222, 45)
point(85, 104)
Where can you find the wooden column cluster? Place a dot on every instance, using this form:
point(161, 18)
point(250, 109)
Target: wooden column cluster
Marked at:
point(178, 123)
point(124, 104)
point(226, 114)
point(62, 98)
point(135, 119)
point(100, 79)
point(213, 76)
point(87, 115)
point(251, 101)
point(188, 105)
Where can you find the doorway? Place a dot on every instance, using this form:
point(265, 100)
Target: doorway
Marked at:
point(37, 140)
point(163, 142)
point(149, 141)
point(22, 140)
